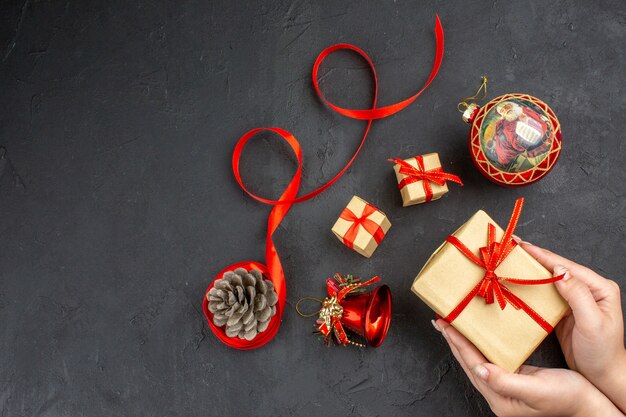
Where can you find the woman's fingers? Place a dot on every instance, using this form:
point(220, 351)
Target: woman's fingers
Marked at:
point(578, 295)
point(600, 287)
point(491, 376)
point(470, 355)
point(528, 369)
point(499, 390)
point(443, 327)
point(523, 387)
point(446, 330)
point(563, 330)
point(488, 375)
point(545, 257)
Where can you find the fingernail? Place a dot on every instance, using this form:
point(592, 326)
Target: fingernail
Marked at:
point(519, 240)
point(561, 270)
point(444, 333)
point(481, 372)
point(434, 323)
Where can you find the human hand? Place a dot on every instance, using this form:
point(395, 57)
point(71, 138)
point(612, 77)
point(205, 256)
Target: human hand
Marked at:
point(592, 333)
point(531, 392)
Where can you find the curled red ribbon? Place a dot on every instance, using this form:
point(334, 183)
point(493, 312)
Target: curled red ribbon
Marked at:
point(491, 287)
point(364, 221)
point(274, 270)
point(414, 174)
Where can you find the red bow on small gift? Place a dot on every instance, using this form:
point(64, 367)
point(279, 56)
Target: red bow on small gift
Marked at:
point(414, 174)
point(491, 287)
point(363, 220)
point(332, 311)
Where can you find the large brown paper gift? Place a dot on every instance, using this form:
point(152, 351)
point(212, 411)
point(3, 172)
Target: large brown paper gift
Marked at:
point(361, 226)
point(416, 192)
point(506, 336)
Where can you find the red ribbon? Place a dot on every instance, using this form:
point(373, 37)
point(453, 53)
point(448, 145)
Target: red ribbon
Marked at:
point(335, 322)
point(414, 174)
point(364, 221)
point(289, 197)
point(491, 287)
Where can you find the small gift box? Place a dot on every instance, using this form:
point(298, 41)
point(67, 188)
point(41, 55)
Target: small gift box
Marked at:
point(361, 226)
point(421, 178)
point(491, 290)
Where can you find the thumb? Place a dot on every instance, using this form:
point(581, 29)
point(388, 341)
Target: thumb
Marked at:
point(506, 384)
point(578, 295)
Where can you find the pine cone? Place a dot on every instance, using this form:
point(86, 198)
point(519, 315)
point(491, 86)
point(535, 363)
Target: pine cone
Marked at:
point(244, 302)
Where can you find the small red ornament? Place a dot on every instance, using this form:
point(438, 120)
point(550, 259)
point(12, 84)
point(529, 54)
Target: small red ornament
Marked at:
point(368, 314)
point(514, 139)
point(352, 306)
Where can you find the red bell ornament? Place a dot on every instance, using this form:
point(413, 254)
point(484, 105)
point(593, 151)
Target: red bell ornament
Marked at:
point(368, 314)
point(352, 307)
point(514, 139)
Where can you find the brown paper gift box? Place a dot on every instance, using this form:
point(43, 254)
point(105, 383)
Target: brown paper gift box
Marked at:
point(364, 243)
point(506, 337)
point(414, 193)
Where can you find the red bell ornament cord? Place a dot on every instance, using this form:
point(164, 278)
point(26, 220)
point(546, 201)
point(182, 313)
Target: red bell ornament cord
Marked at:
point(274, 270)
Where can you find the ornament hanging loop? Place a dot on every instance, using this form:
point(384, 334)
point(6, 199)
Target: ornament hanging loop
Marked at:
point(479, 95)
point(315, 313)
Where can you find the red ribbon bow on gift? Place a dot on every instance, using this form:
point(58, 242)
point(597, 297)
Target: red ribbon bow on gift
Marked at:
point(491, 287)
point(364, 221)
point(414, 174)
point(331, 312)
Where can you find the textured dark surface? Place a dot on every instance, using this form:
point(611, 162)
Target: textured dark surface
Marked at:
point(118, 206)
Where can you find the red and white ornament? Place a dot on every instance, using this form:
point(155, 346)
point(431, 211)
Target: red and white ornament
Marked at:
point(514, 139)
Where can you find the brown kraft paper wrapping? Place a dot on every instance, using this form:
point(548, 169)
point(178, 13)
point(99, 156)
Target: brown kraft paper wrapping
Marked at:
point(414, 193)
point(506, 337)
point(364, 243)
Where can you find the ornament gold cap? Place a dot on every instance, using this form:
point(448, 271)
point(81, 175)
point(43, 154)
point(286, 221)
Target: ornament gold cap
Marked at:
point(470, 112)
point(469, 108)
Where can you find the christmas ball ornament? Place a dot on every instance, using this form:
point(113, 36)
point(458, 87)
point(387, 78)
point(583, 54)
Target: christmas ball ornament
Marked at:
point(514, 139)
point(243, 302)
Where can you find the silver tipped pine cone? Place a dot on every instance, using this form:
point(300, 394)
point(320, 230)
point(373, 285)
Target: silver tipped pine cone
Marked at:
point(244, 302)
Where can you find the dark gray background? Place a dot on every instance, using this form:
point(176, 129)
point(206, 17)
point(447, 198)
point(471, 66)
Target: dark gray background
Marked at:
point(118, 206)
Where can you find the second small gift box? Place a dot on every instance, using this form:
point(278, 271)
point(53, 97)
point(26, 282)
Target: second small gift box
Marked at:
point(361, 226)
point(421, 178)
